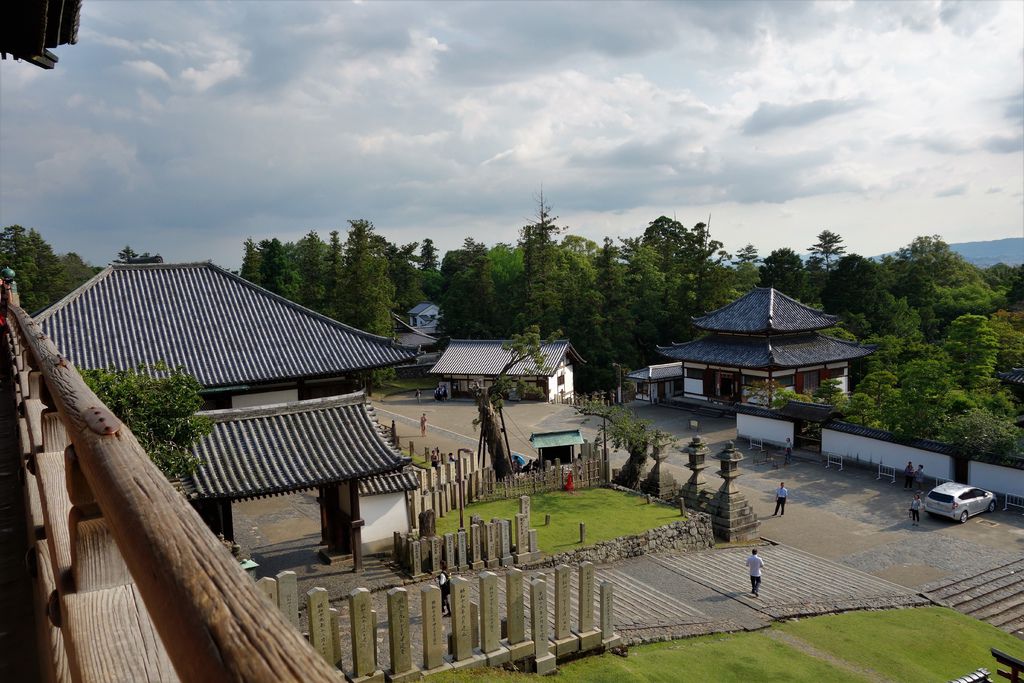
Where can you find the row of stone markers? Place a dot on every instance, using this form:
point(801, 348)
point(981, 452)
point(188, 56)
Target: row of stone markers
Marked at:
point(485, 545)
point(440, 487)
point(478, 636)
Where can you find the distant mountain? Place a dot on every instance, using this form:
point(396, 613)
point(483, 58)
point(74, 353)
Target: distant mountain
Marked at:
point(1009, 250)
point(983, 254)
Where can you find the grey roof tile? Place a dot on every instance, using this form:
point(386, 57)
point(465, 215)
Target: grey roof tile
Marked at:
point(486, 357)
point(396, 482)
point(265, 450)
point(224, 330)
point(785, 351)
point(764, 309)
point(1014, 376)
point(654, 373)
point(882, 435)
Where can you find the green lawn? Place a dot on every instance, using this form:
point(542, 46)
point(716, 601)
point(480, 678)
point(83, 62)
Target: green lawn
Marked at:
point(398, 386)
point(607, 514)
point(928, 644)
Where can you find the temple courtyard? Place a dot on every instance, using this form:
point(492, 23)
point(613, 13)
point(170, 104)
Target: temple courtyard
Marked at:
point(844, 543)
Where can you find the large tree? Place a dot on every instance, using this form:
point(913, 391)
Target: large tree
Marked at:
point(541, 300)
point(829, 248)
point(783, 270)
point(468, 305)
point(523, 348)
point(367, 294)
point(625, 430)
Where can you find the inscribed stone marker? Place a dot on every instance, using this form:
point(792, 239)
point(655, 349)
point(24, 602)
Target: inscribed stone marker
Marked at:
point(544, 661)
point(433, 633)
point(398, 631)
point(474, 625)
point(435, 555)
point(514, 608)
point(490, 620)
point(449, 551)
point(585, 606)
point(608, 637)
point(564, 639)
point(462, 644)
point(268, 587)
point(460, 551)
point(288, 596)
point(335, 635)
point(319, 617)
point(361, 624)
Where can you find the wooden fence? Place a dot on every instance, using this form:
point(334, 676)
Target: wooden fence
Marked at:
point(440, 488)
point(135, 587)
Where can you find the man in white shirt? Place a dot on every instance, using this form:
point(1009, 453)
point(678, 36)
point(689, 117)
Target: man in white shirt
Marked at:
point(781, 494)
point(755, 564)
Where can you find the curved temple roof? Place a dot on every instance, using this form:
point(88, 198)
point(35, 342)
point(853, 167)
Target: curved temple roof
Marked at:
point(486, 357)
point(785, 351)
point(764, 310)
point(223, 329)
point(266, 450)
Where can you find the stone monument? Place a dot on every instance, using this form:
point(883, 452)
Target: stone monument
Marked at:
point(732, 517)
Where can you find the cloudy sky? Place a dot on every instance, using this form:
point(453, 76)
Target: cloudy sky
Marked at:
point(183, 128)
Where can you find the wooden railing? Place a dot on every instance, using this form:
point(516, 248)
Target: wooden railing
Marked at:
point(136, 587)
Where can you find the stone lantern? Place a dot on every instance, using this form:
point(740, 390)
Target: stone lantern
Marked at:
point(694, 493)
point(732, 518)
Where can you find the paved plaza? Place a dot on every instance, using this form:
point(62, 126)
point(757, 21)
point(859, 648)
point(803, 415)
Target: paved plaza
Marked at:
point(844, 543)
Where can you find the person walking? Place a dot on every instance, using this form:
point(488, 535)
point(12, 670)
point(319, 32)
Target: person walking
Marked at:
point(789, 451)
point(908, 475)
point(418, 395)
point(444, 581)
point(423, 424)
point(781, 494)
point(919, 478)
point(915, 510)
point(755, 564)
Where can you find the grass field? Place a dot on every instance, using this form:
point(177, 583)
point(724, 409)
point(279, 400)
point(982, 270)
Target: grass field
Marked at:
point(927, 644)
point(607, 513)
point(398, 386)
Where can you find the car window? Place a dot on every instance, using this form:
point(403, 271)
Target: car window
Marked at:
point(941, 497)
point(966, 495)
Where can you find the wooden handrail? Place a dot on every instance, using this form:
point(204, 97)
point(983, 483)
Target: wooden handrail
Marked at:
point(212, 620)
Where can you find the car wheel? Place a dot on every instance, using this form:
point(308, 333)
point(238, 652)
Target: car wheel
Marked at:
point(992, 506)
point(963, 516)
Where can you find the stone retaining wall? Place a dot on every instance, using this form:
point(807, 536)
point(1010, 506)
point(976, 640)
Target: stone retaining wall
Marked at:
point(693, 533)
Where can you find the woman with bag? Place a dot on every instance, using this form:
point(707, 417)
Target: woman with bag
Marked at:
point(444, 580)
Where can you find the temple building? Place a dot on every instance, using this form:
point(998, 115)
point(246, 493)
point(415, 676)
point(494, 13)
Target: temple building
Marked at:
point(333, 445)
point(244, 344)
point(763, 335)
point(470, 363)
point(277, 380)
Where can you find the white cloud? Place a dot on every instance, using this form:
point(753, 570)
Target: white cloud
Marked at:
point(444, 120)
point(147, 68)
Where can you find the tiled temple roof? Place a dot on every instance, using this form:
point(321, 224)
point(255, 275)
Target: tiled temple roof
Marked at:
point(654, 373)
point(785, 351)
point(764, 310)
point(486, 358)
point(223, 330)
point(266, 450)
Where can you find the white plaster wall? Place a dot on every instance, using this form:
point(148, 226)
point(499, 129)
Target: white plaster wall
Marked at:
point(264, 398)
point(383, 515)
point(891, 454)
point(995, 478)
point(694, 386)
point(766, 429)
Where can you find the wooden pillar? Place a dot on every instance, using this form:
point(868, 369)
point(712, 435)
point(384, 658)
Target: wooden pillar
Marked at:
point(357, 526)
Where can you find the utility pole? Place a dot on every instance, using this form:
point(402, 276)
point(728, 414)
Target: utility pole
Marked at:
point(618, 376)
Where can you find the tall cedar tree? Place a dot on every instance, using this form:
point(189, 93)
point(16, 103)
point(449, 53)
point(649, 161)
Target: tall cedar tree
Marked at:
point(541, 298)
point(369, 295)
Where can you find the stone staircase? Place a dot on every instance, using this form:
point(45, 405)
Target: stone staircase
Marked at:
point(995, 595)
